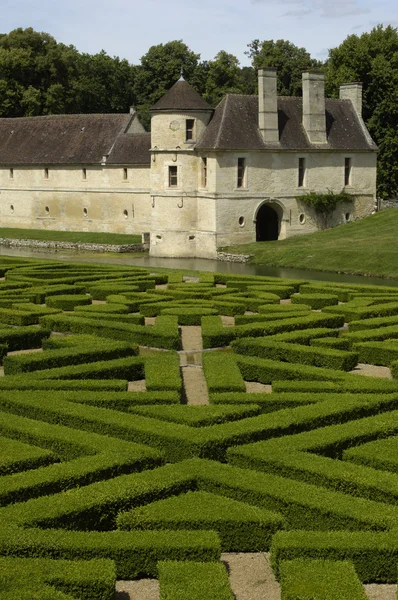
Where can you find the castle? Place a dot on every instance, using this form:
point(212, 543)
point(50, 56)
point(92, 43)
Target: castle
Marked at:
point(203, 178)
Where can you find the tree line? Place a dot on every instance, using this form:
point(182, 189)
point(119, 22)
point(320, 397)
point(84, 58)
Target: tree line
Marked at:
point(40, 76)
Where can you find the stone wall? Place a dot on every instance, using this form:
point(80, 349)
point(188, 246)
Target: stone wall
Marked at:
point(99, 199)
point(53, 245)
point(387, 203)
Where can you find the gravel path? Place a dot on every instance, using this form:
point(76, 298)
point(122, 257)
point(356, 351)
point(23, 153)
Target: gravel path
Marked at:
point(251, 576)
point(142, 589)
point(372, 371)
point(381, 591)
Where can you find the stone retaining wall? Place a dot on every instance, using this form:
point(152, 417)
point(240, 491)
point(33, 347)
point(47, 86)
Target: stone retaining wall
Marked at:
point(388, 203)
point(53, 245)
point(226, 257)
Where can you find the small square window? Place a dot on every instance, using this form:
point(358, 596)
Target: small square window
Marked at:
point(11, 173)
point(173, 179)
point(241, 182)
point(204, 172)
point(46, 173)
point(125, 173)
point(189, 124)
point(301, 172)
point(347, 171)
point(84, 174)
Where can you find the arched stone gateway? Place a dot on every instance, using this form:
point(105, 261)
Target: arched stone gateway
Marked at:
point(268, 222)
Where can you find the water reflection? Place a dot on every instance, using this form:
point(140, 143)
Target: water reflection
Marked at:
point(195, 264)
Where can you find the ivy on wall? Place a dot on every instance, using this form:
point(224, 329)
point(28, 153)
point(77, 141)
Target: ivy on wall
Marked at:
point(324, 204)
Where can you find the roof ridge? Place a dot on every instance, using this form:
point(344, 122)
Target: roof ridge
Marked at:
point(222, 120)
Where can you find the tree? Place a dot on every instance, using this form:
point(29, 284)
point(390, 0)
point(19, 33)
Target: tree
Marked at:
point(160, 68)
point(223, 77)
point(40, 76)
point(289, 60)
point(372, 58)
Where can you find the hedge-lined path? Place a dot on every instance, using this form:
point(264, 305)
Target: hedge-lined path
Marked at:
point(251, 576)
point(195, 387)
point(141, 589)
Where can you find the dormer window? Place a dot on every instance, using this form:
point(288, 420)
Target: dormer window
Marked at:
point(189, 126)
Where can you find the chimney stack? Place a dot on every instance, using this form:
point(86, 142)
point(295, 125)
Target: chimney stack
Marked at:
point(314, 117)
point(267, 105)
point(353, 92)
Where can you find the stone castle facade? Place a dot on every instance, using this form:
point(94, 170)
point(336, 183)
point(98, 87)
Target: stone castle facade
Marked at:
point(203, 178)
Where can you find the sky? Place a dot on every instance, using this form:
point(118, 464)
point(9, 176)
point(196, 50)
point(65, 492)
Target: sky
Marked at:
point(128, 28)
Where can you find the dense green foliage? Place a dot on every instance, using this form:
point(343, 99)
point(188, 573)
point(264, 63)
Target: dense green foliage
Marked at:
point(372, 58)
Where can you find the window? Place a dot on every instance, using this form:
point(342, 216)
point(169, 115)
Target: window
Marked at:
point(85, 213)
point(125, 173)
point(204, 172)
point(241, 173)
point(301, 172)
point(347, 171)
point(84, 173)
point(46, 173)
point(11, 173)
point(173, 181)
point(189, 125)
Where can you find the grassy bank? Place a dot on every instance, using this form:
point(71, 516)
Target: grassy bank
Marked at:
point(366, 247)
point(82, 237)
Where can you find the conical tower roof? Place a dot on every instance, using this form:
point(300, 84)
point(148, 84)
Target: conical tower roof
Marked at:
point(181, 96)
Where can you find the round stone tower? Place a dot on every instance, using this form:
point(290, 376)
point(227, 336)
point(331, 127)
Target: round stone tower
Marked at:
point(178, 121)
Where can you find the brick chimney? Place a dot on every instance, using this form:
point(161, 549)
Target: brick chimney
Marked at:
point(314, 117)
point(267, 105)
point(353, 92)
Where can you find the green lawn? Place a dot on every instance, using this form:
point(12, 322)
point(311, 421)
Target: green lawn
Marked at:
point(366, 247)
point(87, 237)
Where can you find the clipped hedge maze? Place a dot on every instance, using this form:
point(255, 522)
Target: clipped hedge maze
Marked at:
point(100, 482)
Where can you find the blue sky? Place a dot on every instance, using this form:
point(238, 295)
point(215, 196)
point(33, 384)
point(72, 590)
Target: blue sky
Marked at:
point(128, 28)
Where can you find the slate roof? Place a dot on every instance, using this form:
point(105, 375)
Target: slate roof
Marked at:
point(181, 96)
point(235, 126)
point(70, 139)
point(131, 149)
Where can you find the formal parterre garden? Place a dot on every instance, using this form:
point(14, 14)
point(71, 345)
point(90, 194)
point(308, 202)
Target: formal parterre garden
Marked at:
point(102, 483)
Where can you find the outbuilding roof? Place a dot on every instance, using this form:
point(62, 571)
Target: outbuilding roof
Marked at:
point(71, 139)
point(181, 96)
point(234, 126)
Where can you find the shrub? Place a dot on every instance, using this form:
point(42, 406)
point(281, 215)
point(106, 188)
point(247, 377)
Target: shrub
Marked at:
point(162, 372)
point(316, 301)
point(52, 359)
point(222, 373)
point(377, 353)
point(266, 370)
point(189, 316)
point(130, 368)
point(329, 358)
point(40, 578)
point(191, 580)
point(241, 527)
point(23, 338)
point(68, 302)
point(373, 554)
point(305, 579)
